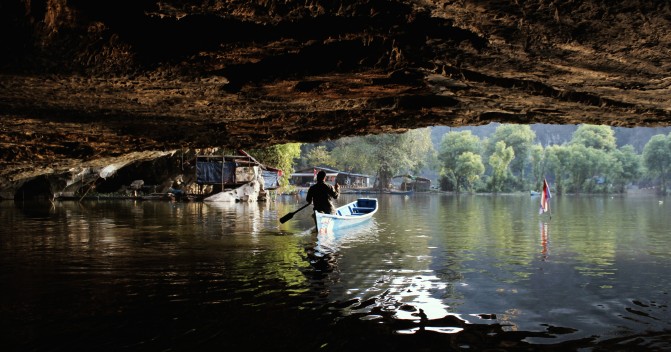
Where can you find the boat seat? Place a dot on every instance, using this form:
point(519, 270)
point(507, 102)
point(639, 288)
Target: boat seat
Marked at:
point(362, 210)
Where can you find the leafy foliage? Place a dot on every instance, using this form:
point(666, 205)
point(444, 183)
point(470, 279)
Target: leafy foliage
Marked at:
point(384, 155)
point(280, 156)
point(626, 167)
point(597, 137)
point(469, 169)
point(518, 137)
point(452, 146)
point(589, 162)
point(320, 156)
point(500, 161)
point(557, 160)
point(657, 157)
point(537, 166)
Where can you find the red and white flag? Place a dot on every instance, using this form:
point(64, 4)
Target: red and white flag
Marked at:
point(545, 198)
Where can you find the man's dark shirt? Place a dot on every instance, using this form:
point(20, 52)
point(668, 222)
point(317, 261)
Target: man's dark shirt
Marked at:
point(320, 195)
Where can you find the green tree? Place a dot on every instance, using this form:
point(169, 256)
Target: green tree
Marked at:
point(280, 156)
point(537, 166)
point(626, 168)
point(468, 170)
point(593, 136)
point(588, 167)
point(578, 166)
point(452, 146)
point(590, 163)
point(520, 138)
point(385, 155)
point(421, 149)
point(657, 158)
point(351, 154)
point(319, 156)
point(500, 161)
point(557, 158)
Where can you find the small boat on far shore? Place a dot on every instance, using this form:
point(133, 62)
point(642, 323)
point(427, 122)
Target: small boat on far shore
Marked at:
point(350, 214)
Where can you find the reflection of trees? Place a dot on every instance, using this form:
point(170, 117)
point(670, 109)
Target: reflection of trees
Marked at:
point(135, 233)
point(592, 233)
point(492, 230)
point(269, 256)
point(504, 231)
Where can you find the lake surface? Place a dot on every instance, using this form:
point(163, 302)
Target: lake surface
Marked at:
point(430, 272)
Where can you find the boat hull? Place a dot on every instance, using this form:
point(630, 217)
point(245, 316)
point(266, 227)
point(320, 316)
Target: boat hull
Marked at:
point(348, 215)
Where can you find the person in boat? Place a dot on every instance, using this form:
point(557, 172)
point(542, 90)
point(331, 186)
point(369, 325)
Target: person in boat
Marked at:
point(321, 194)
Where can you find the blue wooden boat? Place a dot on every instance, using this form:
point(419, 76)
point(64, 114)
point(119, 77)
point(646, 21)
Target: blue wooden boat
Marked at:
point(350, 214)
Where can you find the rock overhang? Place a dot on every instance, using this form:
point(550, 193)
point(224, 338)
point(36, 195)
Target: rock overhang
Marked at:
point(85, 81)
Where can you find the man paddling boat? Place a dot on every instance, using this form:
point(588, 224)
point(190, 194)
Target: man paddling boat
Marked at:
point(322, 194)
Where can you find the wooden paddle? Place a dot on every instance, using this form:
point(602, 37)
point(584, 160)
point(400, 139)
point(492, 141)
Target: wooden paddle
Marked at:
point(291, 215)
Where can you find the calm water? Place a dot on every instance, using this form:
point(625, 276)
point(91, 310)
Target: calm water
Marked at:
point(430, 272)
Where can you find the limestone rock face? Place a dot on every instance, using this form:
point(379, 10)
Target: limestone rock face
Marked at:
point(87, 80)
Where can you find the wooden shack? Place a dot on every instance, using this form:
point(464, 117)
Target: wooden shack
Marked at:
point(232, 171)
point(411, 183)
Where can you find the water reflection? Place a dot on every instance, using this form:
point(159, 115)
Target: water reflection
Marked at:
point(235, 218)
point(331, 243)
point(470, 272)
point(544, 241)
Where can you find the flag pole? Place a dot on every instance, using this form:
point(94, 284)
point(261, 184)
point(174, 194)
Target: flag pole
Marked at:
point(549, 207)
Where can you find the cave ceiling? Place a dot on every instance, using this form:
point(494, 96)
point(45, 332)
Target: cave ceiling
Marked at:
point(84, 82)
